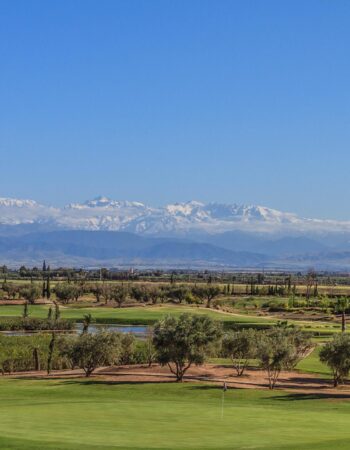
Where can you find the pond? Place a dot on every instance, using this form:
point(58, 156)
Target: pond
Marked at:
point(140, 331)
point(137, 330)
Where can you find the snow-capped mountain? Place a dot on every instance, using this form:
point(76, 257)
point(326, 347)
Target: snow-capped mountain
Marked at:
point(105, 214)
point(190, 234)
point(16, 212)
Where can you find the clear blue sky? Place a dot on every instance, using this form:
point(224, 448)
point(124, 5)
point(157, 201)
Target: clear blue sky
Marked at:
point(161, 101)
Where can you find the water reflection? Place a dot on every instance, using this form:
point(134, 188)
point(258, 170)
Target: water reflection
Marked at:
point(139, 331)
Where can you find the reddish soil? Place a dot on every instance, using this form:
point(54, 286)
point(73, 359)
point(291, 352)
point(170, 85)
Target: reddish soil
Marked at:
point(19, 301)
point(216, 374)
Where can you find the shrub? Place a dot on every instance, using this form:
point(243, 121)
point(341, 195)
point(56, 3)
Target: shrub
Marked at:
point(336, 354)
point(34, 324)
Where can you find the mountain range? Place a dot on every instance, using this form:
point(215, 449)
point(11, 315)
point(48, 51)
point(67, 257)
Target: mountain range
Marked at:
point(190, 234)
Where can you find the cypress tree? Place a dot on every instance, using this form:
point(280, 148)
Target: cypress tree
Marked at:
point(25, 310)
point(57, 311)
point(48, 287)
point(50, 354)
point(36, 358)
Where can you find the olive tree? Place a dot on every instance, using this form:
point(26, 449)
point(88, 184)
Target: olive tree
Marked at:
point(336, 354)
point(138, 293)
point(90, 351)
point(240, 347)
point(97, 290)
point(11, 289)
point(119, 294)
point(154, 294)
point(150, 350)
point(30, 292)
point(77, 291)
point(178, 293)
point(281, 349)
point(106, 292)
point(208, 293)
point(128, 344)
point(184, 341)
point(64, 292)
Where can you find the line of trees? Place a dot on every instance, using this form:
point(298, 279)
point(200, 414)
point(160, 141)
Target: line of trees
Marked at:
point(87, 351)
point(175, 342)
point(202, 293)
point(118, 294)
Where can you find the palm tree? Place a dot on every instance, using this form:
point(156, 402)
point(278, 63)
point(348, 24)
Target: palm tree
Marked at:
point(87, 321)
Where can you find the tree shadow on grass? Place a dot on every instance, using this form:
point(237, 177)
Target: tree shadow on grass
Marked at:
point(94, 381)
point(314, 396)
point(305, 380)
point(45, 378)
point(211, 387)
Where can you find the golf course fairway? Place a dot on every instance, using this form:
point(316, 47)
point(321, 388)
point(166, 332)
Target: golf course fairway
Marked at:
point(71, 414)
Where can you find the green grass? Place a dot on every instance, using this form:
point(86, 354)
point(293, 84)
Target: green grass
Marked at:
point(312, 364)
point(94, 415)
point(135, 315)
point(146, 315)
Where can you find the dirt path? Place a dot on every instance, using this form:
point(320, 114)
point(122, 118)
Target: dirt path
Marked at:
point(293, 381)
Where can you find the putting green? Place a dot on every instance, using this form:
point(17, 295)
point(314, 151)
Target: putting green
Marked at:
point(92, 414)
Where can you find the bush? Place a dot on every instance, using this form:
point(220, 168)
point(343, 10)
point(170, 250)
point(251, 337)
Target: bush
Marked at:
point(276, 306)
point(17, 353)
point(35, 324)
point(336, 354)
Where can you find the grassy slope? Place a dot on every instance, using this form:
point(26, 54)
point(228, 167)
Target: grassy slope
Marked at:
point(91, 415)
point(133, 315)
point(312, 364)
point(148, 315)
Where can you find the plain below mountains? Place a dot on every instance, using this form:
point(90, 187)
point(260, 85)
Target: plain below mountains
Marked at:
point(107, 248)
point(118, 248)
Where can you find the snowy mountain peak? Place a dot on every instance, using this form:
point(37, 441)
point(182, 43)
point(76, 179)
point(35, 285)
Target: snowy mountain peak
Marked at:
point(17, 203)
point(103, 213)
point(98, 201)
point(104, 202)
point(184, 209)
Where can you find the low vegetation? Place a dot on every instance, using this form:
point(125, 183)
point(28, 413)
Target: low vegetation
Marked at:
point(336, 354)
point(35, 324)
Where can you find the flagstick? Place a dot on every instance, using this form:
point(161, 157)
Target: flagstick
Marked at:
point(224, 389)
point(222, 404)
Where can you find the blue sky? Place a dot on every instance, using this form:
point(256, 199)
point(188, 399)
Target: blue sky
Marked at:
point(161, 101)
